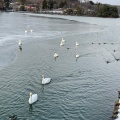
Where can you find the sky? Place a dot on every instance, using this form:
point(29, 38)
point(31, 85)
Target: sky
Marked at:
point(112, 2)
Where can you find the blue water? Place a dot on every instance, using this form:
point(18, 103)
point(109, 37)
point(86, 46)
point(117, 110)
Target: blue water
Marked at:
point(81, 89)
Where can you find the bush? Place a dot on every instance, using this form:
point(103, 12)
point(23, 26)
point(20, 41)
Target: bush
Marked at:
point(79, 11)
point(22, 8)
point(69, 11)
point(107, 11)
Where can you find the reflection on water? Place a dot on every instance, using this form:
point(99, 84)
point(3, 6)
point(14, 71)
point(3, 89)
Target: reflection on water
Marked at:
point(30, 108)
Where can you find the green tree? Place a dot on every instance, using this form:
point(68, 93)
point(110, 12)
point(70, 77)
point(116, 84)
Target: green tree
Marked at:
point(107, 11)
point(79, 11)
point(51, 4)
point(6, 4)
point(44, 4)
point(61, 5)
point(22, 8)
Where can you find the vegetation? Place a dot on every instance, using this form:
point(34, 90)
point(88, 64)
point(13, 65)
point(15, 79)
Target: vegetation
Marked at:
point(62, 4)
point(1, 4)
point(70, 7)
point(51, 4)
point(44, 4)
point(107, 11)
point(22, 2)
point(79, 11)
point(22, 8)
point(48, 4)
point(69, 11)
point(6, 4)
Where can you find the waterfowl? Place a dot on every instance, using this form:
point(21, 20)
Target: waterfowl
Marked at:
point(77, 55)
point(45, 80)
point(62, 43)
point(63, 40)
point(25, 31)
point(77, 44)
point(20, 43)
point(33, 98)
point(31, 31)
point(55, 55)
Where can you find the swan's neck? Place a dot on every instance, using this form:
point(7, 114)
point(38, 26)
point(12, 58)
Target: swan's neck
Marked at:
point(43, 78)
point(31, 98)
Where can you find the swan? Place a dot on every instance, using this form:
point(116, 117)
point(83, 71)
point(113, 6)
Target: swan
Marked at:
point(62, 43)
point(45, 80)
point(63, 40)
point(31, 31)
point(77, 44)
point(33, 98)
point(20, 43)
point(77, 55)
point(55, 55)
point(25, 31)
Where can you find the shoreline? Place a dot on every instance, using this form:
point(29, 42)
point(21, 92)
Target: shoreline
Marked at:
point(92, 20)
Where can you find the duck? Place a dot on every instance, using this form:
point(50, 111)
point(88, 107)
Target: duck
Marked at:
point(55, 55)
point(45, 80)
point(77, 55)
point(33, 98)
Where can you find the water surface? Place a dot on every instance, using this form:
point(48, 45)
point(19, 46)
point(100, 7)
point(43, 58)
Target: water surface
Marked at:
point(81, 89)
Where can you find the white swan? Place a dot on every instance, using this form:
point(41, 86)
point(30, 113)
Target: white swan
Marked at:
point(77, 55)
point(55, 55)
point(20, 43)
point(26, 31)
point(31, 31)
point(62, 43)
point(33, 98)
point(77, 44)
point(63, 40)
point(45, 80)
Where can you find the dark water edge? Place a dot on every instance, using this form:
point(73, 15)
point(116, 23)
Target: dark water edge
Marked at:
point(80, 90)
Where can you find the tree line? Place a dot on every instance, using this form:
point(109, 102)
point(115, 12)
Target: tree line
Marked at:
point(107, 11)
point(102, 10)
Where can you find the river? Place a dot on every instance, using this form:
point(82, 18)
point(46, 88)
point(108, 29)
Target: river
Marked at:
point(81, 89)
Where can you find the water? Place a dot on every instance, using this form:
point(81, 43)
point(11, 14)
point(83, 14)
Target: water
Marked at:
point(82, 89)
